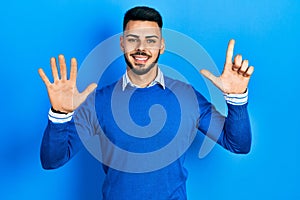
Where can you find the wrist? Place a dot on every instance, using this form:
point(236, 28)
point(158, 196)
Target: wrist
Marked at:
point(237, 99)
point(61, 117)
point(57, 111)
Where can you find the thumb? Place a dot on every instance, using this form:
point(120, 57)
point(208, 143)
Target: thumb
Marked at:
point(89, 90)
point(207, 74)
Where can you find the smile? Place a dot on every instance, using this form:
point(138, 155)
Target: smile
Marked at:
point(140, 59)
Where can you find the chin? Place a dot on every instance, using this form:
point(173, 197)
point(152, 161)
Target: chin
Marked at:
point(142, 70)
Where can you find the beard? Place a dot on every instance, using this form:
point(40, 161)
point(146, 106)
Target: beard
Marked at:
point(142, 69)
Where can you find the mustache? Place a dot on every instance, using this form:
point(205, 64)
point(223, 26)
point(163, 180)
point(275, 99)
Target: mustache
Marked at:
point(140, 53)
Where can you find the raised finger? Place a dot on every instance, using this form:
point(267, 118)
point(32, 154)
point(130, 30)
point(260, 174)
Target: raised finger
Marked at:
point(229, 52)
point(54, 69)
point(244, 67)
point(63, 68)
point(43, 76)
point(237, 62)
point(249, 71)
point(73, 72)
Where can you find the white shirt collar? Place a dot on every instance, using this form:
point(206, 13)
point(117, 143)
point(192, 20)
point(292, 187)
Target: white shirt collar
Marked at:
point(159, 79)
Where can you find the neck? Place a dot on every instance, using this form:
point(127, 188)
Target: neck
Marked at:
point(142, 80)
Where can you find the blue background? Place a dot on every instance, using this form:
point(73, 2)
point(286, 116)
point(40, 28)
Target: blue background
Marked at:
point(266, 32)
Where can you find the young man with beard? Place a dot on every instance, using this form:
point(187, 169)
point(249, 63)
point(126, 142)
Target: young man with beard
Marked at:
point(146, 85)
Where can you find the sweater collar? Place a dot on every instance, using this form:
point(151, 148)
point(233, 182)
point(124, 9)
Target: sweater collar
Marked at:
point(159, 79)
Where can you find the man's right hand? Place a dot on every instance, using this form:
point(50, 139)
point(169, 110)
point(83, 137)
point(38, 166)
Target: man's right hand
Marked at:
point(63, 92)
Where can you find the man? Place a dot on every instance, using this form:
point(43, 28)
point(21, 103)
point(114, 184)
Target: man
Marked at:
point(142, 44)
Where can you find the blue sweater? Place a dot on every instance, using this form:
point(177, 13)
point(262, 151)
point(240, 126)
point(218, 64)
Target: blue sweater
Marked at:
point(141, 135)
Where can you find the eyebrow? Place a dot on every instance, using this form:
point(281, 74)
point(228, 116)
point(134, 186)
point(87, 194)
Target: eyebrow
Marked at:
point(152, 36)
point(136, 36)
point(132, 35)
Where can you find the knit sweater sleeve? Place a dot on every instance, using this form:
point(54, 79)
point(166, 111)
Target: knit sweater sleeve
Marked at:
point(59, 144)
point(61, 139)
point(233, 132)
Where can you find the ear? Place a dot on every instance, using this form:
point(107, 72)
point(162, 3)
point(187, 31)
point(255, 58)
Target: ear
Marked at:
point(162, 46)
point(122, 44)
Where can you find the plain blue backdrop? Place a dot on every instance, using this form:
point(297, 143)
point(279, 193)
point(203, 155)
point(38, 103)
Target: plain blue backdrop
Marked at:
point(266, 32)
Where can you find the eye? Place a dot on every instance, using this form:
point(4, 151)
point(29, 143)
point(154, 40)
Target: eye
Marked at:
point(132, 40)
point(151, 41)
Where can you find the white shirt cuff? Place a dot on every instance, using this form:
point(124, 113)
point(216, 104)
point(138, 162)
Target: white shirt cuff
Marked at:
point(59, 118)
point(236, 99)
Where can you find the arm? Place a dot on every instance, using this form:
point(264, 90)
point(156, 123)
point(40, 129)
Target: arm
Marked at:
point(61, 141)
point(232, 132)
point(237, 131)
point(59, 144)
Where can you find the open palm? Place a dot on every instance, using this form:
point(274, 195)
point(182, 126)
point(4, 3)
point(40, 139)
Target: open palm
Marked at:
point(235, 76)
point(63, 92)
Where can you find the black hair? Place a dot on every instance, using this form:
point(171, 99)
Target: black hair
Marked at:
point(142, 13)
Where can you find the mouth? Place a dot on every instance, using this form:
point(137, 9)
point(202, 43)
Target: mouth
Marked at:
point(140, 57)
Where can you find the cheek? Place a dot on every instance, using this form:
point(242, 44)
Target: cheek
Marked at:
point(129, 48)
point(155, 53)
point(127, 55)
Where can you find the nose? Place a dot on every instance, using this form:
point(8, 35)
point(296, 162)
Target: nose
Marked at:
point(141, 45)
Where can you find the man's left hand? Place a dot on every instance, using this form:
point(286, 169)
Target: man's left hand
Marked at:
point(235, 76)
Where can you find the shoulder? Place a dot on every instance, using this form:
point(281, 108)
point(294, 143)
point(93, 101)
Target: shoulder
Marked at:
point(183, 88)
point(108, 89)
point(173, 83)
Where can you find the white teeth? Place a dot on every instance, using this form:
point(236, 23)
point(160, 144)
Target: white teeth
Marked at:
point(142, 59)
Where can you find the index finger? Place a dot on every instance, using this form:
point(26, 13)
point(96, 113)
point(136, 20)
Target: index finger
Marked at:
point(229, 52)
point(73, 72)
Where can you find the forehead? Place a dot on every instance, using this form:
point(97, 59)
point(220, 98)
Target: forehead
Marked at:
point(142, 28)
